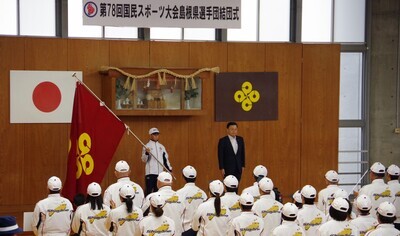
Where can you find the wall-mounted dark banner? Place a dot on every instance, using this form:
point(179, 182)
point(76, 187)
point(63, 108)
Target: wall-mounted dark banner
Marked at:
point(246, 96)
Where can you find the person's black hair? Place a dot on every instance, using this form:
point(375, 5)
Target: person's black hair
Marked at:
point(79, 199)
point(231, 123)
point(54, 192)
point(217, 204)
point(364, 212)
point(393, 177)
point(309, 201)
point(189, 180)
point(96, 203)
point(231, 190)
point(129, 204)
point(288, 218)
point(379, 175)
point(246, 208)
point(158, 211)
point(337, 215)
point(386, 220)
point(298, 204)
point(257, 178)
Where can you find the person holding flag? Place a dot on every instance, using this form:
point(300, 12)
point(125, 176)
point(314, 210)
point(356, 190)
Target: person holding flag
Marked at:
point(155, 156)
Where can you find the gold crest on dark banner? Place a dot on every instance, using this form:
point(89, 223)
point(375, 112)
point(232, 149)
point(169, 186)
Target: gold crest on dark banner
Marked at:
point(246, 96)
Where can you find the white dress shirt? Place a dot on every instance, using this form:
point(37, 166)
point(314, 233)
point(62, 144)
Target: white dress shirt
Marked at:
point(234, 143)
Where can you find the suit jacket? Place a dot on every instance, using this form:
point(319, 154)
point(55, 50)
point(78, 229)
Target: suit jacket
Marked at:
point(228, 160)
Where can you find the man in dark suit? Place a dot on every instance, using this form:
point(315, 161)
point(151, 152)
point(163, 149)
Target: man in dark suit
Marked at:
point(231, 152)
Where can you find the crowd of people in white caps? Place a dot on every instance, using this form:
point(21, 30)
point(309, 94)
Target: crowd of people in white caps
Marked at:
point(125, 210)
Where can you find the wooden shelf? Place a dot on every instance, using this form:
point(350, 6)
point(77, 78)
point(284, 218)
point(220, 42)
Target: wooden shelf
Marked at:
point(109, 79)
point(150, 112)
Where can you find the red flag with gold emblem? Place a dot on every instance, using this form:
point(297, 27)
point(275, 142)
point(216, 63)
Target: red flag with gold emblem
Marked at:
point(95, 135)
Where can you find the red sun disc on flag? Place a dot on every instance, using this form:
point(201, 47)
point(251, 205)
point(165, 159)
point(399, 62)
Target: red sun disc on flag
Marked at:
point(46, 96)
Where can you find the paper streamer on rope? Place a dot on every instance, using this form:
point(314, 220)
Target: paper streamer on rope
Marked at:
point(193, 83)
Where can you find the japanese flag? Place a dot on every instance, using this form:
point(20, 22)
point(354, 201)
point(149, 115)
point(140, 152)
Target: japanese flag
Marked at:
point(42, 96)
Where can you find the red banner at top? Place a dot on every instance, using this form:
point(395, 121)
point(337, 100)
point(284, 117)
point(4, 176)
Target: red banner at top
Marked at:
point(95, 135)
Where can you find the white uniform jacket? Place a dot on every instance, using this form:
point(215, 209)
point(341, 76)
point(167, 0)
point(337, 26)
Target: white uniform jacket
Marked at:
point(92, 221)
point(52, 216)
point(325, 198)
point(288, 228)
point(310, 218)
point(394, 186)
point(231, 200)
point(192, 196)
point(173, 208)
point(207, 223)
point(152, 225)
point(159, 152)
point(365, 223)
point(112, 193)
point(334, 227)
point(255, 191)
point(383, 230)
point(247, 223)
point(379, 192)
point(270, 211)
point(124, 223)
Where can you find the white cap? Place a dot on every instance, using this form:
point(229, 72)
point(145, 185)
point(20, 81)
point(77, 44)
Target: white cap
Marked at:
point(378, 168)
point(290, 210)
point(387, 209)
point(363, 202)
point(94, 189)
point(157, 200)
point(246, 199)
point(216, 187)
point(393, 170)
point(54, 183)
point(297, 196)
point(127, 191)
point(340, 204)
point(266, 184)
point(189, 172)
point(308, 191)
point(122, 166)
point(332, 176)
point(260, 170)
point(341, 193)
point(231, 181)
point(153, 130)
point(165, 177)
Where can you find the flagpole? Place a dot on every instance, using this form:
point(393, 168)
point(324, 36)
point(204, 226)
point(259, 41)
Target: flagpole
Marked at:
point(359, 180)
point(127, 127)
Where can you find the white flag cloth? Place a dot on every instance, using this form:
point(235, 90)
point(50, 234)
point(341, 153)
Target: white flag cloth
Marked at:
point(42, 96)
